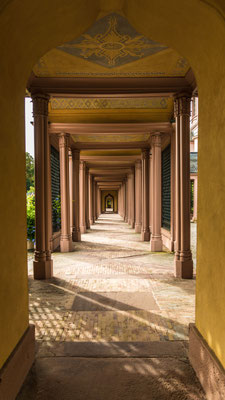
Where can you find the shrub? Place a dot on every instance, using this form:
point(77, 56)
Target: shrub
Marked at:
point(31, 215)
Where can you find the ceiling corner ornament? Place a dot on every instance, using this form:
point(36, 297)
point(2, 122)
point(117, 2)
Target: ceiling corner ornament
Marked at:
point(112, 42)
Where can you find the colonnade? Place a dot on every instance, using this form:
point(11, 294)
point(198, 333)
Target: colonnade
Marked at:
point(139, 192)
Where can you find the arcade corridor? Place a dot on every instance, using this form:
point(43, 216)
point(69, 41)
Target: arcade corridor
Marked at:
point(110, 301)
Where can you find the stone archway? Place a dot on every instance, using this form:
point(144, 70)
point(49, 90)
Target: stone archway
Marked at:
point(109, 203)
point(174, 24)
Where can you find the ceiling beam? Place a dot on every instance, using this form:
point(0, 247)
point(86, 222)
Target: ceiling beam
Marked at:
point(116, 86)
point(110, 128)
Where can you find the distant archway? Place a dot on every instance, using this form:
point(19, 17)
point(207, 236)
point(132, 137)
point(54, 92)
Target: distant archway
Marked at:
point(109, 203)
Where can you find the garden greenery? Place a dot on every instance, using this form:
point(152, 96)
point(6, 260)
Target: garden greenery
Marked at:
point(31, 214)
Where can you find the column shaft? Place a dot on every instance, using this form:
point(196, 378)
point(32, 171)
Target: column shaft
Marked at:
point(145, 233)
point(156, 237)
point(43, 264)
point(183, 256)
point(126, 199)
point(66, 237)
point(82, 196)
point(90, 183)
point(87, 200)
point(71, 189)
point(76, 236)
point(138, 198)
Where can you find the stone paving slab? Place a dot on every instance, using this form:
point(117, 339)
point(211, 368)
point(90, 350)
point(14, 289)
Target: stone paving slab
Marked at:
point(113, 350)
point(69, 378)
point(123, 301)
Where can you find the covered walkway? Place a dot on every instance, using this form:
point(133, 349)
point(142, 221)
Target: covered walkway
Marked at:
point(111, 301)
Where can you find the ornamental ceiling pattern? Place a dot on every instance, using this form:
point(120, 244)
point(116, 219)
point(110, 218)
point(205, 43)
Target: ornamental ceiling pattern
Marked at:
point(111, 47)
point(60, 103)
point(112, 42)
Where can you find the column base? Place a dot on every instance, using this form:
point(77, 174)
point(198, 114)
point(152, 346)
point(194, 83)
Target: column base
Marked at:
point(76, 236)
point(43, 269)
point(145, 236)
point(207, 367)
point(91, 221)
point(156, 244)
point(16, 368)
point(66, 245)
point(83, 229)
point(131, 223)
point(184, 269)
point(138, 228)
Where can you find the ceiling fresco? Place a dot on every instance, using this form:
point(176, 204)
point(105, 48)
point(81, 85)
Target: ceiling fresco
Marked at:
point(111, 47)
point(112, 42)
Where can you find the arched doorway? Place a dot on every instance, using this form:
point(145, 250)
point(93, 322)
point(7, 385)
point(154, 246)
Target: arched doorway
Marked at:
point(109, 203)
point(175, 26)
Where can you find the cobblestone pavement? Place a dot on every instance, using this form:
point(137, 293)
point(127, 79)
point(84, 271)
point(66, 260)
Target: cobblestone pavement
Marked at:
point(111, 288)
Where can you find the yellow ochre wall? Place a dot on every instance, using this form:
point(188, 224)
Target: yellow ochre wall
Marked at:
point(113, 193)
point(194, 28)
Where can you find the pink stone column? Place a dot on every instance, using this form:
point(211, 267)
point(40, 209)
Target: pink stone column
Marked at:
point(95, 210)
point(156, 237)
point(87, 199)
point(98, 202)
point(183, 256)
point(94, 200)
point(119, 202)
point(145, 233)
point(151, 192)
point(138, 198)
point(126, 200)
point(66, 236)
point(76, 235)
point(90, 184)
point(132, 195)
point(71, 189)
point(43, 264)
point(82, 196)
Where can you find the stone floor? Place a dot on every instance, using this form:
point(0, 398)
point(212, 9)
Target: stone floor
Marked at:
point(112, 313)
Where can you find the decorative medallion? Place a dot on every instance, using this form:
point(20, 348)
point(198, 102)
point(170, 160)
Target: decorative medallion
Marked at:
point(112, 42)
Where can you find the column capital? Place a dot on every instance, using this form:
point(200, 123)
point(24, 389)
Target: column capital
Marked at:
point(82, 164)
point(40, 104)
point(156, 139)
point(138, 164)
point(63, 140)
point(76, 154)
point(145, 154)
point(182, 105)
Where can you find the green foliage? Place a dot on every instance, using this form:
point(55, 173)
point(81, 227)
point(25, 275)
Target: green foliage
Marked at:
point(31, 215)
point(56, 213)
point(29, 171)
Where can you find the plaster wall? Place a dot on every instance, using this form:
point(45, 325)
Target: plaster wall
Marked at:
point(196, 29)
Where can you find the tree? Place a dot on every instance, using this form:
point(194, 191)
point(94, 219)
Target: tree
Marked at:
point(29, 171)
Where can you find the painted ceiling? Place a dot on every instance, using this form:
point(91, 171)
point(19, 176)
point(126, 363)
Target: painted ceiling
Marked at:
point(111, 47)
point(109, 109)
